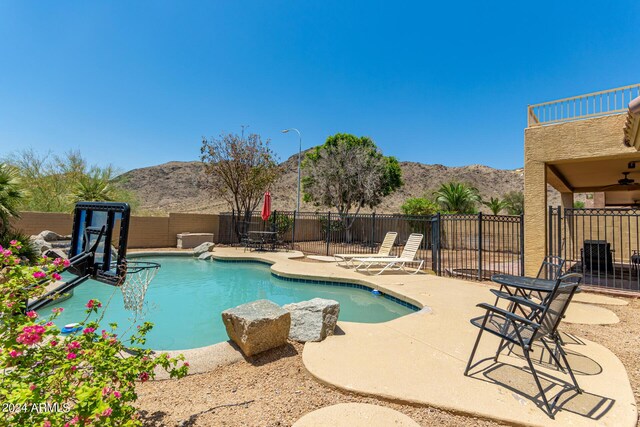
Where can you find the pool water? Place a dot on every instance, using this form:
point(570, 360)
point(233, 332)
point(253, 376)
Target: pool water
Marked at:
point(185, 300)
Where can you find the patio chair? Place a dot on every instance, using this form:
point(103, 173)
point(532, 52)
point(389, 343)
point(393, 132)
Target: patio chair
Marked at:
point(597, 257)
point(540, 326)
point(408, 256)
point(383, 252)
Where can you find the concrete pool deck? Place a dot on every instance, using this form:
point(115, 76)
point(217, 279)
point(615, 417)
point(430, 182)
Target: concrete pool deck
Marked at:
point(420, 358)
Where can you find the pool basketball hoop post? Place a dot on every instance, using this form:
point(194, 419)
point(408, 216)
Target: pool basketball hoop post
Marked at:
point(98, 252)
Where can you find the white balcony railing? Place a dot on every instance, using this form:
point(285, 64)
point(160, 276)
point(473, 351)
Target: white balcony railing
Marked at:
point(604, 103)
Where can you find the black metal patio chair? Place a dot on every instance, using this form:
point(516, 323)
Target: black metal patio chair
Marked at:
point(539, 326)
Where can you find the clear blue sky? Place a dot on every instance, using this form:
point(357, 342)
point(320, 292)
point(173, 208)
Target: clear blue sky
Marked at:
point(138, 83)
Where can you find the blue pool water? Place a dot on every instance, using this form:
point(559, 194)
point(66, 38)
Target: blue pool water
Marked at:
point(185, 300)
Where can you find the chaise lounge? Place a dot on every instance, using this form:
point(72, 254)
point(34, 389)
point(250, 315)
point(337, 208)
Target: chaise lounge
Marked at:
point(408, 256)
point(383, 252)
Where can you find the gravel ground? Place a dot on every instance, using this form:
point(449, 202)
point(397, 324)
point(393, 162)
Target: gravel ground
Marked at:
point(274, 389)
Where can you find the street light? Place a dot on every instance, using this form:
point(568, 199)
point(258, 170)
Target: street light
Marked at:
point(299, 153)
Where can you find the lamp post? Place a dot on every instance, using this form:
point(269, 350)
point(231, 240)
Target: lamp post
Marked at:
point(299, 153)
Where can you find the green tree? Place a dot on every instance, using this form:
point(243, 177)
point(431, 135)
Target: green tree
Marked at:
point(240, 169)
point(578, 204)
point(456, 197)
point(348, 173)
point(495, 205)
point(419, 206)
point(515, 202)
point(11, 196)
point(54, 183)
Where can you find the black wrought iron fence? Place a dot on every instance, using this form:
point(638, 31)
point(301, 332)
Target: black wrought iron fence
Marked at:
point(478, 246)
point(465, 246)
point(601, 243)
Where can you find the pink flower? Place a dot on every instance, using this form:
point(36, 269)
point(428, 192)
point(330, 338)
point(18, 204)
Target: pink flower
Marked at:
point(94, 303)
point(13, 242)
point(71, 356)
point(15, 353)
point(58, 310)
point(39, 275)
point(32, 387)
point(32, 314)
point(66, 263)
point(10, 304)
point(31, 334)
point(186, 363)
point(73, 345)
point(53, 343)
point(117, 394)
point(56, 276)
point(144, 376)
point(7, 252)
point(73, 368)
point(106, 391)
point(89, 330)
point(107, 412)
point(49, 324)
point(47, 423)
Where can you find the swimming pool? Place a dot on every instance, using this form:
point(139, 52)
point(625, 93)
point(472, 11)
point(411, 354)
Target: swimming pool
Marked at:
point(185, 300)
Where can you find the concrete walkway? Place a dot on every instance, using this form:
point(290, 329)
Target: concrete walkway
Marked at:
point(420, 358)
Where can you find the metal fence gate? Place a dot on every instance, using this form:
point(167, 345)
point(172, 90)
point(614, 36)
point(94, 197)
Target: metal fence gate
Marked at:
point(601, 243)
point(477, 246)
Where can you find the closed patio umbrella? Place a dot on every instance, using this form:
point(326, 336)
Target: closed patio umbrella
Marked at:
point(266, 206)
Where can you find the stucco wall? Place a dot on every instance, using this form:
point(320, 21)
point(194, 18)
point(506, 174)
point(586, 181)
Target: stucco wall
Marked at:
point(591, 139)
point(144, 232)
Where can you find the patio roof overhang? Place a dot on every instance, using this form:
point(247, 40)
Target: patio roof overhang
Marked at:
point(598, 176)
point(632, 125)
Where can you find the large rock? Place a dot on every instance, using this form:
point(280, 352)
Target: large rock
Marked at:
point(40, 245)
point(257, 326)
point(313, 320)
point(51, 236)
point(203, 248)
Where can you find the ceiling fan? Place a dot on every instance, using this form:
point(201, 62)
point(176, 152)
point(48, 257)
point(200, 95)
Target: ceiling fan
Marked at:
point(625, 181)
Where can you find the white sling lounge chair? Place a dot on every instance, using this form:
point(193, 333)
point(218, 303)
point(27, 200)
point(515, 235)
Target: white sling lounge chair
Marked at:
point(383, 252)
point(408, 256)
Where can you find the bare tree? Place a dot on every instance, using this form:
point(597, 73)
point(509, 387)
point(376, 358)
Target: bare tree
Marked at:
point(349, 173)
point(240, 169)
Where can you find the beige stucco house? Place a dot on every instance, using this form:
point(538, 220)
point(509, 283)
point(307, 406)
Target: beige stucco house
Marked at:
point(582, 144)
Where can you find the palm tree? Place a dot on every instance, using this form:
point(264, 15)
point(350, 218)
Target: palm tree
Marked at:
point(457, 197)
point(495, 205)
point(10, 196)
point(94, 187)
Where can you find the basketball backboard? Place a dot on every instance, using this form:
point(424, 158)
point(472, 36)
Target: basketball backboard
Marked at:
point(104, 225)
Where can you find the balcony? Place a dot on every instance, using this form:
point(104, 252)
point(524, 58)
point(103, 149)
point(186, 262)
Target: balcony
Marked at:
point(596, 104)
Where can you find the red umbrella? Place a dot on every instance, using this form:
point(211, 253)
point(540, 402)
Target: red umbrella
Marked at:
point(266, 207)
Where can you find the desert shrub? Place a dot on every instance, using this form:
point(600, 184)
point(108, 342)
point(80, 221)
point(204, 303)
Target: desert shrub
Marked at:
point(515, 202)
point(281, 223)
point(85, 378)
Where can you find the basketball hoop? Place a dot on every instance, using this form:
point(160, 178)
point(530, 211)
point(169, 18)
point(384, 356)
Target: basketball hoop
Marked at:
point(136, 278)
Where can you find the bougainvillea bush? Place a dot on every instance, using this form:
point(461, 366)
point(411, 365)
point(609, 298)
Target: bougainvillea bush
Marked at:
point(82, 379)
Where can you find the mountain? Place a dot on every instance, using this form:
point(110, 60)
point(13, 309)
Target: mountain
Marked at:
point(179, 186)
